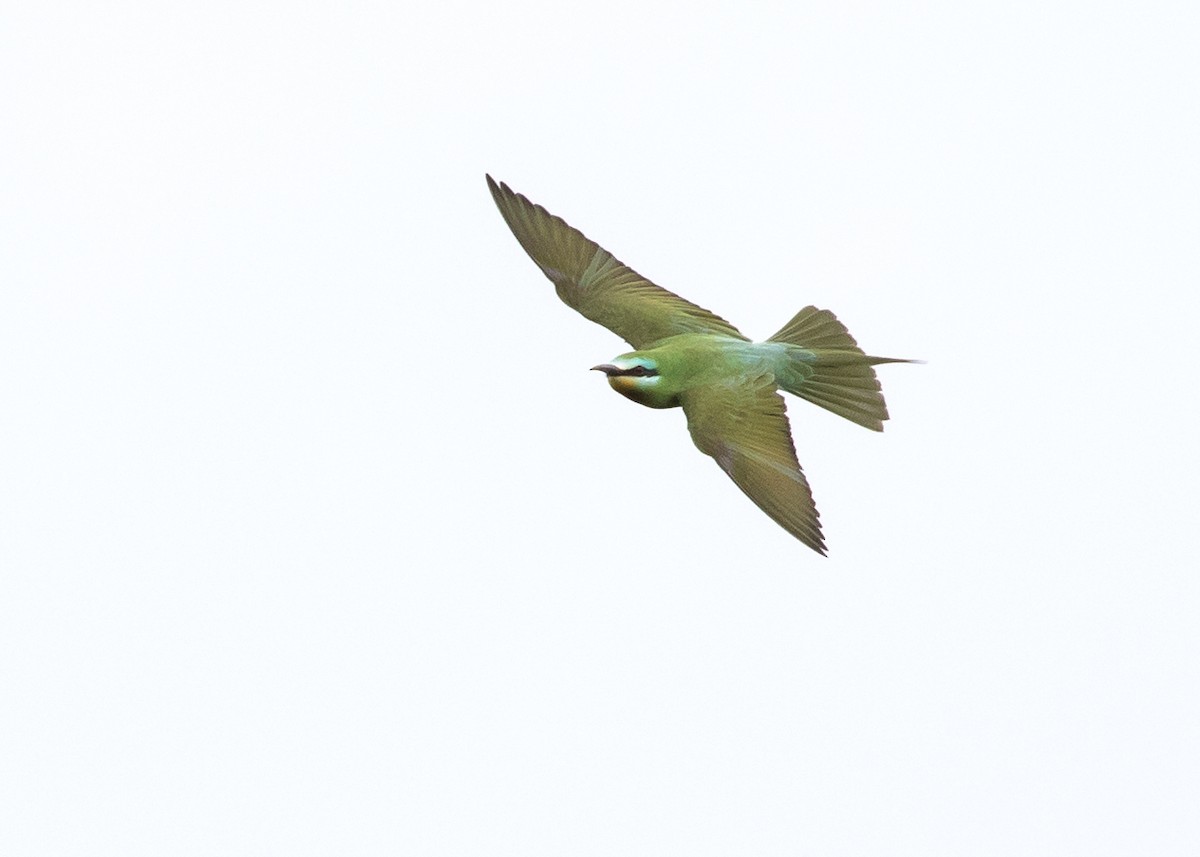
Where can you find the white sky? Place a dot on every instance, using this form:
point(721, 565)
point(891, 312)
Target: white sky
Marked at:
point(318, 537)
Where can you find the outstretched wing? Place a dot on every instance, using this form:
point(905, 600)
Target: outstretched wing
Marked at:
point(589, 279)
point(744, 426)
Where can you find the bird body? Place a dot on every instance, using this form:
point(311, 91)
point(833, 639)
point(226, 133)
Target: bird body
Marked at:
point(679, 363)
point(688, 357)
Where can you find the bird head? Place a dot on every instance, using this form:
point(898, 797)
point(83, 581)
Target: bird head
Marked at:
point(636, 376)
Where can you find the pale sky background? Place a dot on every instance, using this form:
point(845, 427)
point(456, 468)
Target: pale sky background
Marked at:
point(318, 537)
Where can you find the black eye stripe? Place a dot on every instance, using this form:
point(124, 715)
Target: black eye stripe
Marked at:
point(638, 371)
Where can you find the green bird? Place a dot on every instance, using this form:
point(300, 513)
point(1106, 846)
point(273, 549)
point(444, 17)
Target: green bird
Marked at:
point(687, 357)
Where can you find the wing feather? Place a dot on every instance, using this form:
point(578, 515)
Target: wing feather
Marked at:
point(592, 281)
point(743, 425)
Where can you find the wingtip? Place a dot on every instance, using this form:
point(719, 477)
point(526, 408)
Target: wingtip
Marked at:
point(497, 187)
point(499, 191)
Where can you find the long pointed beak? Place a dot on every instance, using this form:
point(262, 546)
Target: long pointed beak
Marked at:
point(606, 368)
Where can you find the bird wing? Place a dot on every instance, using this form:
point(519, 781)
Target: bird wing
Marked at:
point(590, 280)
point(743, 424)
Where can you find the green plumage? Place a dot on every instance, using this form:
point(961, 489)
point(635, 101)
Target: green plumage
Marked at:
point(688, 357)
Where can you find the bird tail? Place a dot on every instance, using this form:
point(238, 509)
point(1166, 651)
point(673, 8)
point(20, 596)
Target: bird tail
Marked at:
point(826, 367)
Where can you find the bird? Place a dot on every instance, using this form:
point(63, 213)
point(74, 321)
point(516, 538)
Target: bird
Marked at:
point(687, 357)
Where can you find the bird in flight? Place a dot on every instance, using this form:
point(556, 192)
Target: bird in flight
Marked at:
point(687, 357)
